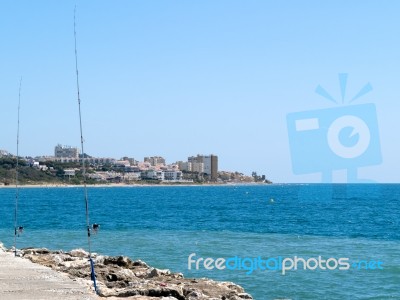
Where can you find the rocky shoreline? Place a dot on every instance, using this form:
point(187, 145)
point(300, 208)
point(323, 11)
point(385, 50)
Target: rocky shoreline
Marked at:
point(119, 276)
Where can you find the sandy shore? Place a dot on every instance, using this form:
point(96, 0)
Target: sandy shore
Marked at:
point(20, 279)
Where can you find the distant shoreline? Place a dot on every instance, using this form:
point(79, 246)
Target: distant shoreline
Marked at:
point(113, 185)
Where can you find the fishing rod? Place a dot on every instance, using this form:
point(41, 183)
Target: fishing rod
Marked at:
point(95, 226)
point(17, 229)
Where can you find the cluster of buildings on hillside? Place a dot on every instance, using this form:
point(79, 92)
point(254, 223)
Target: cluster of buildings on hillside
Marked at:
point(3, 153)
point(128, 169)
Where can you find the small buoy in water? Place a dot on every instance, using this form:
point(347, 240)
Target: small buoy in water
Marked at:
point(271, 200)
point(247, 192)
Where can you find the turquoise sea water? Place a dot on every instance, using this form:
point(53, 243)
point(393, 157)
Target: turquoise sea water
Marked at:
point(164, 225)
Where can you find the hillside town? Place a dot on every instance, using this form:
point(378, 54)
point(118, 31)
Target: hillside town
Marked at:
point(66, 166)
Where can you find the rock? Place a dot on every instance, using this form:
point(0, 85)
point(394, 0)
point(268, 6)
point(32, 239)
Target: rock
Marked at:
point(99, 259)
point(244, 296)
point(35, 251)
point(126, 273)
point(195, 295)
point(112, 277)
point(158, 272)
point(2, 248)
point(58, 259)
point(79, 253)
point(121, 277)
point(177, 275)
point(121, 261)
point(139, 263)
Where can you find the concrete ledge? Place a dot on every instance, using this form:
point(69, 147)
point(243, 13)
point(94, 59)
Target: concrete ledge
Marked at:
point(20, 279)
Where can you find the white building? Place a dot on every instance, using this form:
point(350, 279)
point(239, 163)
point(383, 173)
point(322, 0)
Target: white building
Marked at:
point(3, 153)
point(122, 163)
point(88, 160)
point(134, 176)
point(106, 176)
point(172, 175)
point(69, 172)
point(152, 174)
point(185, 166)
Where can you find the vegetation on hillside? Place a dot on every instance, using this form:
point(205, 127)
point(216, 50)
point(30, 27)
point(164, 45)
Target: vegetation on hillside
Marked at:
point(26, 174)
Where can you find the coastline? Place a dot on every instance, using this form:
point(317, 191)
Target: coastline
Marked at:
point(112, 185)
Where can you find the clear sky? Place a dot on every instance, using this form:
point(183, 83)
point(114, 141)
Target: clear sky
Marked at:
point(178, 78)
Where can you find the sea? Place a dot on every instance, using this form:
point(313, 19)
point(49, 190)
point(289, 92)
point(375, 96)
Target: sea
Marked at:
point(278, 241)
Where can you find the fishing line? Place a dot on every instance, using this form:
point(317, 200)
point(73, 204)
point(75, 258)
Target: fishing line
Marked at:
point(17, 229)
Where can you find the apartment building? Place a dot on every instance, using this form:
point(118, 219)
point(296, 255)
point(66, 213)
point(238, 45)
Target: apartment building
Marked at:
point(209, 164)
point(155, 160)
point(66, 152)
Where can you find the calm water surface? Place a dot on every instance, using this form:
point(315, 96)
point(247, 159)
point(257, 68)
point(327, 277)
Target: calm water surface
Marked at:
point(164, 225)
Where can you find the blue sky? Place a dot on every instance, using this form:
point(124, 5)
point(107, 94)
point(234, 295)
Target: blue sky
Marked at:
point(177, 78)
